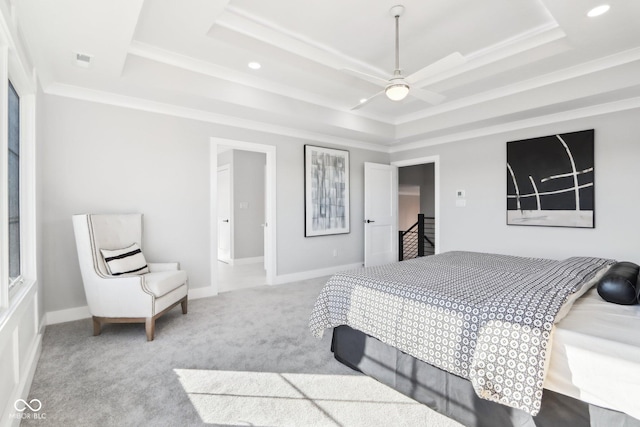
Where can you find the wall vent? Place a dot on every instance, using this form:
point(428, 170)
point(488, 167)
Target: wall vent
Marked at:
point(83, 60)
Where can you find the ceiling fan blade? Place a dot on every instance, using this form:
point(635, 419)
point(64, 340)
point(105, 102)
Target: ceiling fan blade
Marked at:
point(368, 77)
point(444, 64)
point(427, 96)
point(365, 102)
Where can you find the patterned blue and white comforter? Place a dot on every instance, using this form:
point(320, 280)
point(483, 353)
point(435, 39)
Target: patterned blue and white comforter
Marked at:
point(484, 317)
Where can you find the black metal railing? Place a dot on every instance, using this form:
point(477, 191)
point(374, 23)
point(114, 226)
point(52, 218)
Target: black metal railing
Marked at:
point(419, 240)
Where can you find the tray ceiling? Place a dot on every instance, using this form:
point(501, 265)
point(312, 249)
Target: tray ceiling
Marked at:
point(524, 60)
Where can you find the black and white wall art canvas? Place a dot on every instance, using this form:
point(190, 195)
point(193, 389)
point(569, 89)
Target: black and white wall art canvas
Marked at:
point(550, 180)
point(326, 173)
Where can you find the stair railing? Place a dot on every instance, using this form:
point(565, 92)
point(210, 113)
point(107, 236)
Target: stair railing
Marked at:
point(418, 240)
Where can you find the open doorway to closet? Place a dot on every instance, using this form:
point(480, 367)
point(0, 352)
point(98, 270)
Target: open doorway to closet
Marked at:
point(417, 208)
point(243, 203)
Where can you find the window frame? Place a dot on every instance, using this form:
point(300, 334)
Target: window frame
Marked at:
point(24, 83)
point(16, 281)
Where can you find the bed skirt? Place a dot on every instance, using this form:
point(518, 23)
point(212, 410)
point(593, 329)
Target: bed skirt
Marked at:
point(454, 396)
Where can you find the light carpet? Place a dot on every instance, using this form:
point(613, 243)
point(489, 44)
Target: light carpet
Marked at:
point(243, 358)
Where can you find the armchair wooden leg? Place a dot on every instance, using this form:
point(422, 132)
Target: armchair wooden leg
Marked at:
point(183, 303)
point(150, 327)
point(96, 326)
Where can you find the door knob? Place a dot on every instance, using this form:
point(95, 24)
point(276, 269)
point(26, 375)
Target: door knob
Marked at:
point(368, 221)
point(225, 220)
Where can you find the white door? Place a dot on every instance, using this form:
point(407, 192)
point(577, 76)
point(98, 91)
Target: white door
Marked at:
point(380, 214)
point(224, 214)
point(265, 234)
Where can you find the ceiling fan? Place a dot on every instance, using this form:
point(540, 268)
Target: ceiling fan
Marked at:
point(398, 86)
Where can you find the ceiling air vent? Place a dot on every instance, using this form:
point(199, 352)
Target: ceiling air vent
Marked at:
point(83, 60)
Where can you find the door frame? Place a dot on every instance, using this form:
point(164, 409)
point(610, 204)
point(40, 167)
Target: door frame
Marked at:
point(270, 208)
point(436, 190)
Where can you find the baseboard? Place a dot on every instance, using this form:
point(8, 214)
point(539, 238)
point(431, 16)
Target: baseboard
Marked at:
point(68, 315)
point(312, 274)
point(245, 261)
point(78, 313)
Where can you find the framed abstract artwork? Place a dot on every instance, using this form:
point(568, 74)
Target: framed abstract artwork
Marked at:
point(550, 180)
point(326, 191)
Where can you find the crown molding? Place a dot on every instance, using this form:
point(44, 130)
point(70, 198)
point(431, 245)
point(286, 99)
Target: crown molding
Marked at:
point(7, 28)
point(579, 113)
point(528, 40)
point(157, 54)
point(265, 31)
point(21, 70)
point(240, 21)
point(163, 56)
point(600, 64)
point(108, 98)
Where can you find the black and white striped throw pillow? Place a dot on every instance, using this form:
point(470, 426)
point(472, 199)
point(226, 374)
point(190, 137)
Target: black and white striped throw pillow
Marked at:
point(125, 261)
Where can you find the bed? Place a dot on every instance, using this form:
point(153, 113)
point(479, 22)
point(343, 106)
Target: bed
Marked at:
point(479, 337)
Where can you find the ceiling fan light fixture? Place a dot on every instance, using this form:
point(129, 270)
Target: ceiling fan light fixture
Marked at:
point(398, 87)
point(397, 91)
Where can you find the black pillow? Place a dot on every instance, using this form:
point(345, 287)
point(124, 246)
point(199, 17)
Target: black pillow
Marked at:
point(618, 285)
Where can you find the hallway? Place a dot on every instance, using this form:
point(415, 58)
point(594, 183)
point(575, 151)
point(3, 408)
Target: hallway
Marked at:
point(234, 277)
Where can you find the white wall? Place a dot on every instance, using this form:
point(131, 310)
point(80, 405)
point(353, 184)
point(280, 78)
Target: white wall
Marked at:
point(101, 158)
point(408, 210)
point(301, 253)
point(479, 167)
point(421, 175)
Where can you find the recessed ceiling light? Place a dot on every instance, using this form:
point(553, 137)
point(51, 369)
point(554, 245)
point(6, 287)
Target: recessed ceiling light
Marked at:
point(363, 100)
point(254, 65)
point(599, 10)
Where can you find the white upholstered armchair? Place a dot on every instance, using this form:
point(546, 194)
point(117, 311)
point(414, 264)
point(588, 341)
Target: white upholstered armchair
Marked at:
point(115, 295)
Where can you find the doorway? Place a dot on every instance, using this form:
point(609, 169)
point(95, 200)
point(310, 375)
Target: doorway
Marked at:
point(242, 215)
point(416, 211)
point(419, 193)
